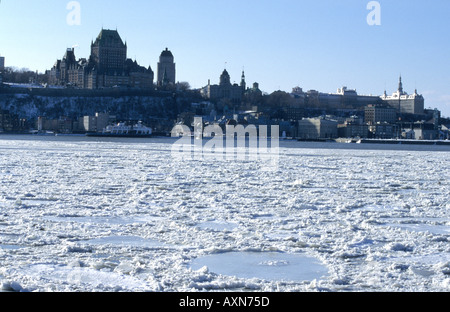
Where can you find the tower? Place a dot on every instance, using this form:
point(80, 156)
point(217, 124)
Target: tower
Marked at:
point(400, 86)
point(166, 68)
point(243, 83)
point(108, 58)
point(225, 79)
point(67, 63)
point(109, 53)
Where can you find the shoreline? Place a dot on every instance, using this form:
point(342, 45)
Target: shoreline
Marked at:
point(161, 136)
point(394, 141)
point(338, 144)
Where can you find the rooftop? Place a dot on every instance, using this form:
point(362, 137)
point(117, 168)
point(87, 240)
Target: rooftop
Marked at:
point(166, 53)
point(108, 36)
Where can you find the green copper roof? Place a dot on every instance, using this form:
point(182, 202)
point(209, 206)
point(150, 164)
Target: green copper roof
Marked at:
point(109, 36)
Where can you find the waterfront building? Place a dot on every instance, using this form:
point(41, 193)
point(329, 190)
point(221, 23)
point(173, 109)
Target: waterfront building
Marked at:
point(380, 113)
point(7, 121)
point(420, 130)
point(10, 122)
point(102, 121)
point(88, 123)
point(403, 102)
point(95, 123)
point(433, 116)
point(384, 130)
point(353, 130)
point(166, 69)
point(444, 133)
point(317, 128)
point(61, 125)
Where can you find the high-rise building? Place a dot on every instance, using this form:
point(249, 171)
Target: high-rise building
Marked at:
point(109, 53)
point(166, 68)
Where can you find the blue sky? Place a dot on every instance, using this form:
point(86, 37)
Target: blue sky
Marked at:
point(321, 44)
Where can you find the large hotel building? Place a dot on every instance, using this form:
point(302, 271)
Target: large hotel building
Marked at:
point(107, 66)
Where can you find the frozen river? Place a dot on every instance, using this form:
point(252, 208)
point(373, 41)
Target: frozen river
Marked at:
point(80, 214)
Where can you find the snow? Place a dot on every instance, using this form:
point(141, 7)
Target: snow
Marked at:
point(84, 214)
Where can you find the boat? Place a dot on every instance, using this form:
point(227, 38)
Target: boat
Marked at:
point(122, 130)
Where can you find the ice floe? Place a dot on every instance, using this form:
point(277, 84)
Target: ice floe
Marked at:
point(79, 214)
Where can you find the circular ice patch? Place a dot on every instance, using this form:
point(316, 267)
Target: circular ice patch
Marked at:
point(263, 265)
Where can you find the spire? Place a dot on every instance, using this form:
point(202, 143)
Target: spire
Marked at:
point(400, 85)
point(243, 84)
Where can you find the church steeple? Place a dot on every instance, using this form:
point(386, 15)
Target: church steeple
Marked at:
point(400, 85)
point(243, 84)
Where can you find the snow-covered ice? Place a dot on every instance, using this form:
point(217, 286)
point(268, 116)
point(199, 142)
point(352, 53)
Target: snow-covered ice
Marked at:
point(83, 214)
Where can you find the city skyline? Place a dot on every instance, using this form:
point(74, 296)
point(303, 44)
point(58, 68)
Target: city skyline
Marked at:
point(320, 45)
